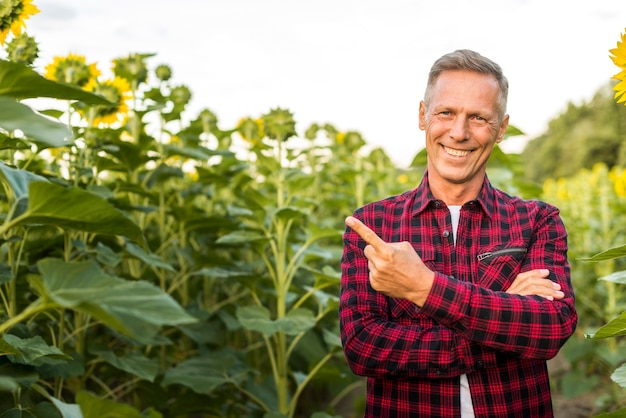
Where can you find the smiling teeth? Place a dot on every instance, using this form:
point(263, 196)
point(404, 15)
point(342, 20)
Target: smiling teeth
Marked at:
point(456, 153)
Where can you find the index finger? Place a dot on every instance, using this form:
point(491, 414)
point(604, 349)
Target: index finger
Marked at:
point(364, 232)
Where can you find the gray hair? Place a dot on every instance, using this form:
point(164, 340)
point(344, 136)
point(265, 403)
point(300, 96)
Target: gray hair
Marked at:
point(465, 59)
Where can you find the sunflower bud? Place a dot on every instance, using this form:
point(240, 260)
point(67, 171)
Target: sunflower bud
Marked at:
point(133, 68)
point(23, 49)
point(163, 72)
point(279, 124)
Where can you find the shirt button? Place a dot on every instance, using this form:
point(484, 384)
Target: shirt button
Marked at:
point(446, 233)
point(480, 364)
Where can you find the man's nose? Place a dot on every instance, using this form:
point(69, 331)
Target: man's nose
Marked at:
point(458, 129)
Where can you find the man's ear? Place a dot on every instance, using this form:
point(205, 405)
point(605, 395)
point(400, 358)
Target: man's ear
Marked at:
point(503, 126)
point(422, 116)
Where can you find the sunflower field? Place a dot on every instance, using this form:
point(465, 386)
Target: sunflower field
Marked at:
point(157, 264)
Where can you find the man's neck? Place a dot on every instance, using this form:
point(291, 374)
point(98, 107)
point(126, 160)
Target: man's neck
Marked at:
point(454, 194)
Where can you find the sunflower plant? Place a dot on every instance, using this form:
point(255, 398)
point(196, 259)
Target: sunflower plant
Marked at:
point(616, 325)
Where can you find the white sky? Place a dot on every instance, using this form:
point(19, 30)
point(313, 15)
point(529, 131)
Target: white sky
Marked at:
point(357, 64)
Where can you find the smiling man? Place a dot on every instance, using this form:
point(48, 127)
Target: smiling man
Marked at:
point(454, 294)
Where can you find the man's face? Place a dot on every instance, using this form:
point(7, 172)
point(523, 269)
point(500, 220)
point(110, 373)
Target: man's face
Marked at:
point(462, 126)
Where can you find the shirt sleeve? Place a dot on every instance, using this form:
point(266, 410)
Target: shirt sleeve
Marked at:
point(377, 344)
point(527, 326)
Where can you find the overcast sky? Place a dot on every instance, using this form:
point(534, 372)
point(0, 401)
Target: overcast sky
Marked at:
point(357, 64)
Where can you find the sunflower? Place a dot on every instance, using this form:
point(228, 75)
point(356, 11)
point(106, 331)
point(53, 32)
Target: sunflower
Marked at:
point(117, 91)
point(619, 58)
point(251, 130)
point(13, 13)
point(72, 69)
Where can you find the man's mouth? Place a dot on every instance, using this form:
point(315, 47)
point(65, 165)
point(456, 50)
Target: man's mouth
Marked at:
point(455, 152)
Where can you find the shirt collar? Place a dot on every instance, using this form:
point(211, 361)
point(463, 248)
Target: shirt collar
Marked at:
point(423, 197)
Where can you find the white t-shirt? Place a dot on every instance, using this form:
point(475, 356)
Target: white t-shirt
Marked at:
point(467, 408)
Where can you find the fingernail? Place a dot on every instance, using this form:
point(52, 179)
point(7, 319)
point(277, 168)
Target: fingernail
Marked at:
point(556, 285)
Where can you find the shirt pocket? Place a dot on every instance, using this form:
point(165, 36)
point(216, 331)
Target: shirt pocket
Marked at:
point(499, 265)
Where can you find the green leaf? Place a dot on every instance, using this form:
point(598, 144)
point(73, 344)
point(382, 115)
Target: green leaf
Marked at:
point(134, 308)
point(48, 133)
point(132, 363)
point(106, 256)
point(619, 376)
point(8, 384)
point(73, 208)
point(614, 328)
point(25, 376)
point(297, 321)
point(67, 410)
point(290, 212)
point(94, 407)
point(150, 259)
point(16, 183)
point(203, 374)
point(240, 237)
point(23, 82)
point(317, 233)
point(33, 351)
point(332, 338)
point(6, 274)
point(607, 255)
point(617, 277)
point(256, 318)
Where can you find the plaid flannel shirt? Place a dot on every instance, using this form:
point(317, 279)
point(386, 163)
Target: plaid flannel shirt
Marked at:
point(413, 356)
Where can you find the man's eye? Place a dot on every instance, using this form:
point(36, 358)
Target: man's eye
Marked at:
point(479, 119)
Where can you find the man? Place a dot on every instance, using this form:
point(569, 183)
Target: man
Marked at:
point(454, 294)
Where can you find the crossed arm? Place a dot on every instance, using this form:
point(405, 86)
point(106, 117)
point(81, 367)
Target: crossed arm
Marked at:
point(397, 271)
point(447, 338)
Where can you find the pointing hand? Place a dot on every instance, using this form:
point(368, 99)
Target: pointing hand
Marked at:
point(396, 270)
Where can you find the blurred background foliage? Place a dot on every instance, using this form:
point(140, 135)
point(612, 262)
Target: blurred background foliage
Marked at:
point(154, 263)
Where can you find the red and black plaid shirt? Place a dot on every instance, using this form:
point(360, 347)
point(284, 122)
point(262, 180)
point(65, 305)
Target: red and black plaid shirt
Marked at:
point(413, 356)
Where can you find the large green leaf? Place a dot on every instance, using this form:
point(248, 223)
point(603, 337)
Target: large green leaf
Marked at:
point(608, 254)
point(94, 407)
point(150, 259)
point(205, 374)
point(73, 208)
point(43, 130)
point(8, 384)
point(616, 277)
point(241, 237)
point(619, 376)
point(134, 308)
point(257, 318)
point(33, 351)
point(132, 363)
point(23, 82)
point(614, 328)
point(16, 182)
